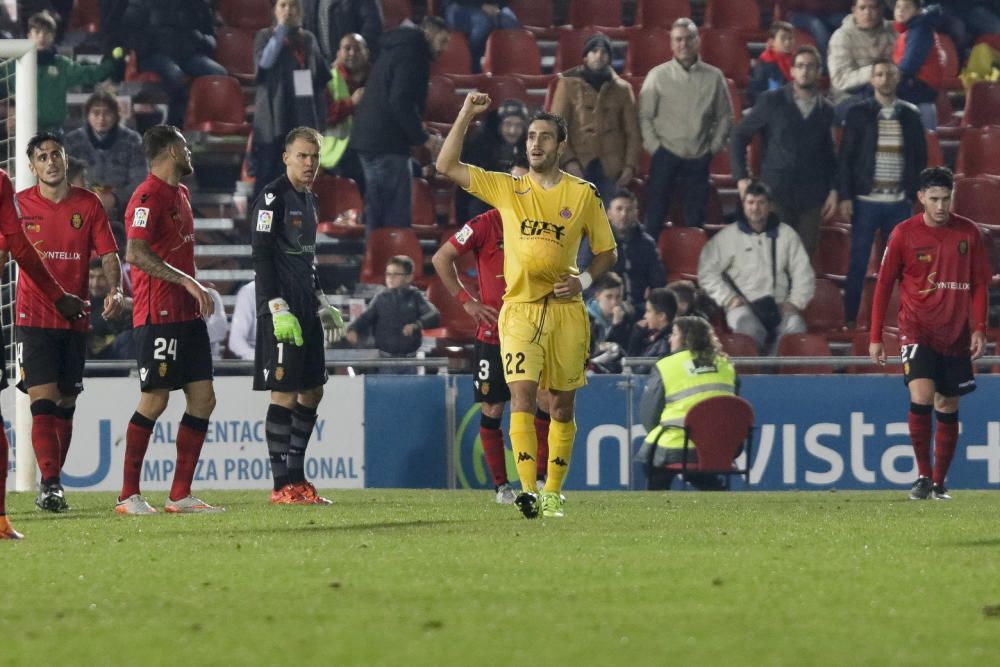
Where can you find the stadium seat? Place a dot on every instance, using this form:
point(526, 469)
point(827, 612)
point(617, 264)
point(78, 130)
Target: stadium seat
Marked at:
point(515, 53)
point(536, 16)
point(738, 345)
point(737, 101)
point(234, 51)
point(740, 15)
point(456, 324)
point(661, 13)
point(383, 244)
point(804, 345)
point(680, 249)
point(216, 106)
point(950, 63)
point(504, 87)
point(605, 13)
point(424, 220)
point(825, 312)
point(341, 207)
point(833, 253)
point(132, 73)
point(714, 218)
point(977, 198)
point(727, 49)
point(394, 12)
point(569, 50)
point(979, 153)
point(716, 428)
point(86, 16)
point(982, 106)
point(456, 62)
point(859, 348)
point(647, 48)
point(935, 157)
point(443, 102)
point(249, 14)
point(949, 126)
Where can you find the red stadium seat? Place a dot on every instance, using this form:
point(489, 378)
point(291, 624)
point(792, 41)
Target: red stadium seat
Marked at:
point(536, 16)
point(727, 50)
point(216, 106)
point(680, 249)
point(132, 72)
point(515, 53)
point(804, 345)
point(86, 16)
point(935, 158)
point(234, 51)
point(456, 62)
point(714, 218)
point(424, 219)
point(859, 348)
point(738, 345)
point(950, 62)
point(982, 106)
point(833, 253)
point(443, 102)
point(340, 206)
point(661, 13)
point(736, 99)
point(825, 313)
point(979, 153)
point(249, 14)
point(595, 12)
point(647, 48)
point(978, 198)
point(864, 321)
point(394, 12)
point(741, 15)
point(569, 51)
point(383, 244)
point(456, 324)
point(502, 88)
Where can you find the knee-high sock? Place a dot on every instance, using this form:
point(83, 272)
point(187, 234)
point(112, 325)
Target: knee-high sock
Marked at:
point(190, 438)
point(278, 429)
point(4, 447)
point(303, 421)
point(525, 445)
point(542, 431)
point(945, 443)
point(45, 439)
point(491, 436)
point(561, 436)
point(65, 432)
point(920, 436)
point(136, 443)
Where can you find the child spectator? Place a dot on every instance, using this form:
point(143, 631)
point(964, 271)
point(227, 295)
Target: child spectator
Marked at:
point(691, 300)
point(919, 56)
point(774, 66)
point(397, 315)
point(611, 320)
point(651, 336)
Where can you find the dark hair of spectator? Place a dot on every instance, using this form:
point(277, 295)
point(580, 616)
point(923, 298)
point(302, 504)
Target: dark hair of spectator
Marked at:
point(609, 280)
point(403, 262)
point(75, 167)
point(810, 49)
point(102, 98)
point(937, 177)
point(553, 118)
point(699, 339)
point(433, 23)
point(663, 301)
point(40, 139)
point(158, 138)
point(306, 134)
point(780, 26)
point(624, 193)
point(42, 21)
point(882, 60)
point(758, 189)
point(684, 290)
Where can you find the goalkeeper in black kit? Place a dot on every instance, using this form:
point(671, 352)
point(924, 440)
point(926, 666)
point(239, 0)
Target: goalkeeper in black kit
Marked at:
point(293, 316)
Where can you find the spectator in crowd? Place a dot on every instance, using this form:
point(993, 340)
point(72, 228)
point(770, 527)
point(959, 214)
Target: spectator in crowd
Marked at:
point(346, 87)
point(388, 121)
point(498, 145)
point(113, 152)
point(774, 65)
point(863, 38)
point(799, 164)
point(285, 99)
point(965, 20)
point(603, 140)
point(477, 19)
point(639, 263)
point(651, 335)
point(759, 272)
point(60, 10)
point(107, 338)
point(57, 73)
point(919, 56)
point(76, 172)
point(882, 152)
point(330, 20)
point(685, 115)
point(175, 40)
point(397, 315)
point(691, 300)
point(817, 17)
point(697, 369)
point(611, 321)
point(243, 328)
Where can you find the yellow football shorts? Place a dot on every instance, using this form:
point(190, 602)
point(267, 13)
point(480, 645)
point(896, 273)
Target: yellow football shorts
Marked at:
point(547, 342)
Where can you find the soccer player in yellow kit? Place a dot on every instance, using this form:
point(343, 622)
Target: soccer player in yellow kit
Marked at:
point(544, 329)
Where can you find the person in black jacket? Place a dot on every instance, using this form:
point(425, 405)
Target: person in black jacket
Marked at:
point(388, 120)
point(175, 39)
point(330, 20)
point(882, 153)
point(397, 315)
point(651, 335)
point(799, 162)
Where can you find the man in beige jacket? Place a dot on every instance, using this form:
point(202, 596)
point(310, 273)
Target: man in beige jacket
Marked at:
point(599, 107)
point(864, 37)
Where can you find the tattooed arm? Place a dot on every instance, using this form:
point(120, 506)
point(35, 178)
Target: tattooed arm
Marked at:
point(139, 254)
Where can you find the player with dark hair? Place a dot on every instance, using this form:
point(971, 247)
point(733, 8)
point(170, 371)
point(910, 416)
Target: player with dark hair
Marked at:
point(483, 237)
point(66, 225)
point(940, 262)
point(543, 325)
point(172, 347)
point(292, 313)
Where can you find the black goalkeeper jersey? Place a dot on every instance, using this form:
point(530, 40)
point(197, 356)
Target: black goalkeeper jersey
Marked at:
point(284, 247)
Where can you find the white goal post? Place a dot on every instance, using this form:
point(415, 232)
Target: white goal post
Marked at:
point(24, 55)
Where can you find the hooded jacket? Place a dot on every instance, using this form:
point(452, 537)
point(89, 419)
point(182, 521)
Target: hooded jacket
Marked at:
point(851, 53)
point(920, 57)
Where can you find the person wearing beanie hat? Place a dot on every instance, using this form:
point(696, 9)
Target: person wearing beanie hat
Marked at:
point(603, 138)
point(495, 147)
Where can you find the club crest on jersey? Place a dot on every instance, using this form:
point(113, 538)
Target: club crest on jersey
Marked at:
point(264, 221)
point(924, 257)
point(33, 227)
point(963, 247)
point(140, 216)
point(279, 373)
point(464, 234)
point(485, 388)
point(163, 369)
point(565, 213)
point(76, 221)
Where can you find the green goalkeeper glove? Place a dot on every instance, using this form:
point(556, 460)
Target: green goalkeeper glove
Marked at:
point(286, 326)
point(333, 323)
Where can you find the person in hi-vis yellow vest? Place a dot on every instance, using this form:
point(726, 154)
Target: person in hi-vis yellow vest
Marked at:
point(695, 370)
point(346, 86)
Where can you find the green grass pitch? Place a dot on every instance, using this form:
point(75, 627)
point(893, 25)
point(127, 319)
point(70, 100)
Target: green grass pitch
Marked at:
point(449, 578)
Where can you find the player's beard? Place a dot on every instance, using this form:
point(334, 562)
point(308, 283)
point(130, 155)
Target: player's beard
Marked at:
point(185, 168)
point(547, 164)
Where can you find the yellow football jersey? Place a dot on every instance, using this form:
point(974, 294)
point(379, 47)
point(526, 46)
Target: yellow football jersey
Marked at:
point(542, 229)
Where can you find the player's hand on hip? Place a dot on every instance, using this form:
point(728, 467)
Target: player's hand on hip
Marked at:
point(568, 286)
point(72, 307)
point(978, 346)
point(333, 323)
point(205, 302)
point(480, 312)
point(877, 352)
point(114, 304)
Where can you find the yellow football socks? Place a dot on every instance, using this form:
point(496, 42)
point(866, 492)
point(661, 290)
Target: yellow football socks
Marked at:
point(561, 436)
point(524, 442)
